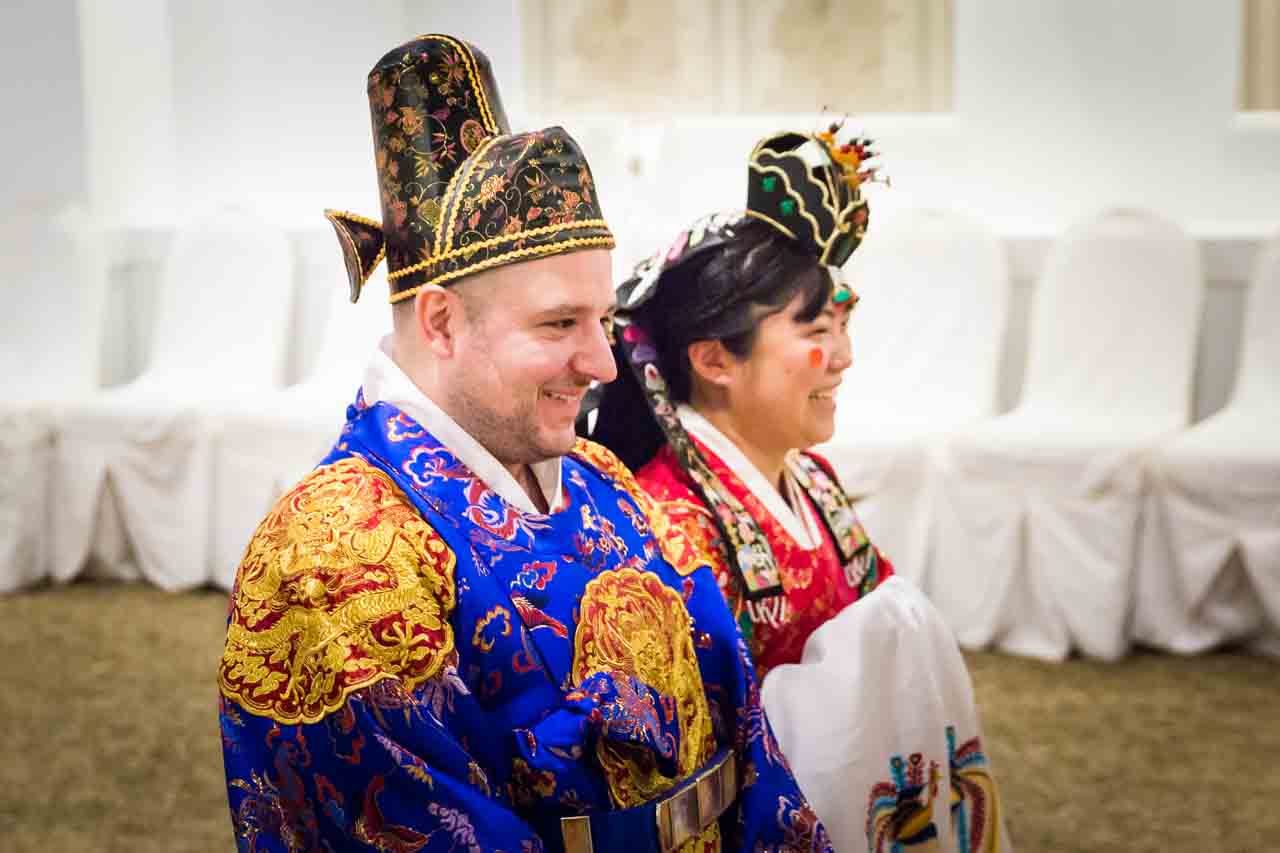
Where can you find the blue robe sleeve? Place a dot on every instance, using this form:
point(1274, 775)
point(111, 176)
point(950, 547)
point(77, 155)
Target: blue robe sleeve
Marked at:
point(380, 773)
point(339, 684)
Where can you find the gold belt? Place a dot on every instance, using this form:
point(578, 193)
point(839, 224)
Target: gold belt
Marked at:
point(680, 817)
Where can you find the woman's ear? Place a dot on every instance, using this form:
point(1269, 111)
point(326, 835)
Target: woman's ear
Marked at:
point(711, 362)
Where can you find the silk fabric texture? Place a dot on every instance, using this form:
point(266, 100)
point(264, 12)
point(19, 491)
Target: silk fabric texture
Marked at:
point(872, 701)
point(412, 663)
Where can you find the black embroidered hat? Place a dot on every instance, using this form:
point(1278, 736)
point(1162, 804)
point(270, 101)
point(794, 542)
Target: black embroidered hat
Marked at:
point(460, 193)
point(808, 186)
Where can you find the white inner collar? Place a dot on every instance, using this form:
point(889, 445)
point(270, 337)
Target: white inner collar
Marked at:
point(801, 526)
point(384, 381)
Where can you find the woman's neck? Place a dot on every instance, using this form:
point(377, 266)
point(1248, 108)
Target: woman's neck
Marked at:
point(768, 461)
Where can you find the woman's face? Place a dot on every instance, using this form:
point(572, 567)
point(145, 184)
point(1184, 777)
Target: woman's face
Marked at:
point(783, 392)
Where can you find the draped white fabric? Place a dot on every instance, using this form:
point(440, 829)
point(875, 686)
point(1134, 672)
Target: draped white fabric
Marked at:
point(1024, 529)
point(927, 336)
point(1038, 509)
point(274, 438)
point(884, 678)
point(133, 467)
point(50, 351)
point(1209, 560)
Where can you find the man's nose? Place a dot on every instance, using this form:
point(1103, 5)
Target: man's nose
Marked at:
point(595, 359)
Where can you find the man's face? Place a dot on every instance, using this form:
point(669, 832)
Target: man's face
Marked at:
point(533, 341)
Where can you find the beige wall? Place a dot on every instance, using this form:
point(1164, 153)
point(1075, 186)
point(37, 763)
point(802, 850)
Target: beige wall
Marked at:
point(1260, 77)
point(735, 56)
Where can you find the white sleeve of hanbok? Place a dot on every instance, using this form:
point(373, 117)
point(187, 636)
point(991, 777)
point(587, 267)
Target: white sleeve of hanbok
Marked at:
point(879, 724)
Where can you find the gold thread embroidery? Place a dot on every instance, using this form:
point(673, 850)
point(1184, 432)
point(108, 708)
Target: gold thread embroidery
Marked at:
point(343, 585)
point(496, 241)
point(840, 218)
point(801, 208)
point(458, 181)
point(683, 552)
point(330, 212)
point(755, 214)
point(478, 85)
point(632, 622)
point(825, 186)
point(476, 82)
point(844, 225)
point(497, 260)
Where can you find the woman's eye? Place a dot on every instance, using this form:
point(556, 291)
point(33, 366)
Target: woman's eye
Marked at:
point(562, 325)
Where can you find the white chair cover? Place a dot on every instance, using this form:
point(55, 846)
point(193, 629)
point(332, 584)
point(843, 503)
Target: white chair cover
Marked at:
point(1038, 509)
point(273, 439)
point(53, 280)
point(927, 336)
point(133, 473)
point(883, 680)
point(1209, 561)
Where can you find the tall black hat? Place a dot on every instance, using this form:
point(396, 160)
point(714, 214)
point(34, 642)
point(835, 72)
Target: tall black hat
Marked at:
point(461, 193)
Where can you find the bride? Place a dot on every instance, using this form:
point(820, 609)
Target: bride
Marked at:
point(731, 344)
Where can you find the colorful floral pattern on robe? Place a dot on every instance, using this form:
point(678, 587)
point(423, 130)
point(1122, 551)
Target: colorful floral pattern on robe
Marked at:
point(816, 585)
point(412, 664)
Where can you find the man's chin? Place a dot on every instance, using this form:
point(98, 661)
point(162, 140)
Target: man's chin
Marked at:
point(554, 443)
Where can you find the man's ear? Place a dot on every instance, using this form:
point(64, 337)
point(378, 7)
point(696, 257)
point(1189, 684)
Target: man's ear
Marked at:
point(438, 317)
point(711, 362)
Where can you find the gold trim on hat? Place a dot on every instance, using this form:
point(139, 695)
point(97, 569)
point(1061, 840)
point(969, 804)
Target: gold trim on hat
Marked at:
point(477, 82)
point(336, 217)
point(842, 223)
point(755, 214)
point(450, 213)
point(495, 241)
point(506, 257)
point(827, 187)
point(801, 207)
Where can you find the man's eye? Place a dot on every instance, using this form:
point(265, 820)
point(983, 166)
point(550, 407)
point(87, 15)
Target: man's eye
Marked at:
point(820, 330)
point(563, 325)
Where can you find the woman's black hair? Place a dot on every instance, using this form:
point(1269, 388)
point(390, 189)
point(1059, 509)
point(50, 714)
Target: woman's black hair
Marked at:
point(722, 293)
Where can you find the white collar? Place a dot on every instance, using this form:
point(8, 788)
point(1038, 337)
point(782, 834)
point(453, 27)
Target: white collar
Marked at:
point(384, 381)
point(802, 527)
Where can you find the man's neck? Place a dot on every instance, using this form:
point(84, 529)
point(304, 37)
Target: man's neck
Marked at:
point(525, 477)
point(426, 404)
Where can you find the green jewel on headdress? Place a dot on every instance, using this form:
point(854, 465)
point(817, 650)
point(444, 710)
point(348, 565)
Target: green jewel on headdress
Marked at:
point(820, 179)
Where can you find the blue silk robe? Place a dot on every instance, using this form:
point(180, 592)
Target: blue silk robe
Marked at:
point(412, 664)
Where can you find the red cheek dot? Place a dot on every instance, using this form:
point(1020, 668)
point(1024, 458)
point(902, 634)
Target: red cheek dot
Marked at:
point(815, 357)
